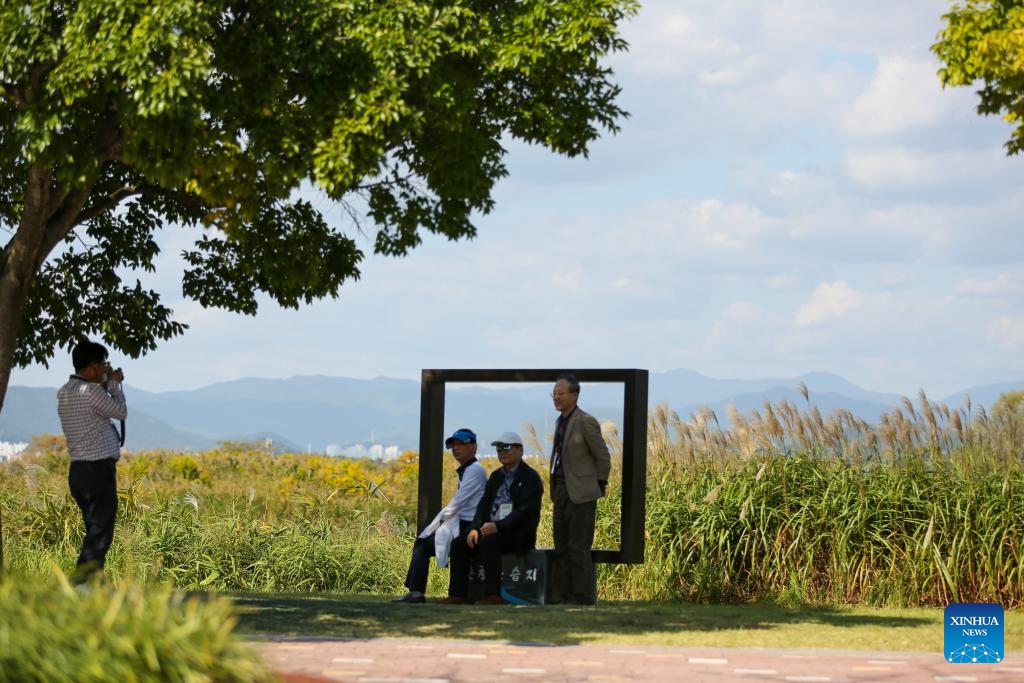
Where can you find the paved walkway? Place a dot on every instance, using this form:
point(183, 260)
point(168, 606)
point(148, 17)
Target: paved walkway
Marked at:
point(456, 661)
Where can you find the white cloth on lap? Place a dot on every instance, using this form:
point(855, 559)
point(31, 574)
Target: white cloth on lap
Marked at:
point(445, 526)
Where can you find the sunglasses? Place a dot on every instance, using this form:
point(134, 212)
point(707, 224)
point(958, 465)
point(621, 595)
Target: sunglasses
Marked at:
point(502, 447)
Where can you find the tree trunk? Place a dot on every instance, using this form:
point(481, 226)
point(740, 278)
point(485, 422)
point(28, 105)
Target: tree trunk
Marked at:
point(49, 213)
point(12, 299)
point(17, 269)
point(13, 290)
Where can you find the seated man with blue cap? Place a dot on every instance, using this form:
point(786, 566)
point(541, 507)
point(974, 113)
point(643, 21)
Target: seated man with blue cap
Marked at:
point(449, 526)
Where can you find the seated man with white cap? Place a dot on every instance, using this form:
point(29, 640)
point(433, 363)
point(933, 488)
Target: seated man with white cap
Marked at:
point(448, 529)
point(507, 516)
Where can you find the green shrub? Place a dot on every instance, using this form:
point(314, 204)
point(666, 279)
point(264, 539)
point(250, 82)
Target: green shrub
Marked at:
point(50, 632)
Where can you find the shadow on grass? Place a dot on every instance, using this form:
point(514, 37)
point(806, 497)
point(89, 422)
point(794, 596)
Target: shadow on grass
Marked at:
point(293, 615)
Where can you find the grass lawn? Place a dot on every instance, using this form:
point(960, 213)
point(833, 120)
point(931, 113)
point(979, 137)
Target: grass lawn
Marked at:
point(646, 623)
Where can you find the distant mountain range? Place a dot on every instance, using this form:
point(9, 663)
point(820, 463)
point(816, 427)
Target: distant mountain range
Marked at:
point(317, 414)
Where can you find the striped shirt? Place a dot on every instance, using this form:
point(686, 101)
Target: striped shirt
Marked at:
point(85, 410)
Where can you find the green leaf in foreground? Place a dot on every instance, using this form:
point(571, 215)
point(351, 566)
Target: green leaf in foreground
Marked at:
point(49, 631)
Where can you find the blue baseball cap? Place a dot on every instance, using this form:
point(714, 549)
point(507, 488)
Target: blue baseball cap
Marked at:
point(464, 435)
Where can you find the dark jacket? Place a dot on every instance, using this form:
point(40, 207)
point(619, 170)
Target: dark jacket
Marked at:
point(526, 493)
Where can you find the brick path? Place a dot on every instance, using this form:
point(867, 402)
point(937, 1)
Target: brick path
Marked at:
point(462, 661)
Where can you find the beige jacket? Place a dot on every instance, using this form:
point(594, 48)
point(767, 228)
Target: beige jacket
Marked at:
point(585, 457)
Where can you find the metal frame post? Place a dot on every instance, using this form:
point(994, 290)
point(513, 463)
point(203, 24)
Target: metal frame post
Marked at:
point(634, 444)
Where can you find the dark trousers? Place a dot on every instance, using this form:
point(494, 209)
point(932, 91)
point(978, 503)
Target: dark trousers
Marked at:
point(93, 485)
point(573, 531)
point(488, 553)
point(419, 565)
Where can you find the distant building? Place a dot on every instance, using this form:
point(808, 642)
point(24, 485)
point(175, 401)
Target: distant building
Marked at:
point(375, 451)
point(11, 451)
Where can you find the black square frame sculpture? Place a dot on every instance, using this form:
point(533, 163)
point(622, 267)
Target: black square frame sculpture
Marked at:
point(634, 444)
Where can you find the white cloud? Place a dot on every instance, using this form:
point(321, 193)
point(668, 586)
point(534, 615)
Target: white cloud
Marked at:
point(720, 77)
point(1004, 284)
point(1007, 334)
point(905, 95)
point(829, 301)
point(193, 314)
point(900, 276)
point(887, 168)
point(781, 282)
point(864, 27)
point(701, 227)
point(949, 233)
point(741, 312)
point(667, 42)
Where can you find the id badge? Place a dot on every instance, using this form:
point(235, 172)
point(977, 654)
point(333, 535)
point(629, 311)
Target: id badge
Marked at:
point(504, 510)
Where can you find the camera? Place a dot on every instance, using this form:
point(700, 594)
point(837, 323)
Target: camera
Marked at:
point(110, 372)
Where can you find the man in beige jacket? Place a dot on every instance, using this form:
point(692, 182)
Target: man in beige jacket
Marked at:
point(580, 464)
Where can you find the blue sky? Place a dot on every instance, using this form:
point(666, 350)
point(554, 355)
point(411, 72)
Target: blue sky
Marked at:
point(793, 192)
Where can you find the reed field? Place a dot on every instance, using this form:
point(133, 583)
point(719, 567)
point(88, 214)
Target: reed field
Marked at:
point(784, 505)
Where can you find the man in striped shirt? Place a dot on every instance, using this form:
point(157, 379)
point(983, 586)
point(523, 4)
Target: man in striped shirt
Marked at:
point(86, 404)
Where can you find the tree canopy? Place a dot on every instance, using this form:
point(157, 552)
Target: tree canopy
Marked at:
point(1010, 403)
point(119, 117)
point(983, 40)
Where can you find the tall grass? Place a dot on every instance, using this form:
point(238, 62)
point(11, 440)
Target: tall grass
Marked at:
point(224, 521)
point(783, 504)
point(789, 505)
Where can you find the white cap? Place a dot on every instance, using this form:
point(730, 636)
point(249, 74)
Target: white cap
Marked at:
point(509, 438)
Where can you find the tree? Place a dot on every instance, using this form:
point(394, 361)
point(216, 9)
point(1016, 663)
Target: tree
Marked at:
point(119, 117)
point(983, 40)
point(1009, 404)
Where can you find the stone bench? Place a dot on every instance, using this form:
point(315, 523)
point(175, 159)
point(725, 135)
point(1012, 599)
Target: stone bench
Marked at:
point(525, 579)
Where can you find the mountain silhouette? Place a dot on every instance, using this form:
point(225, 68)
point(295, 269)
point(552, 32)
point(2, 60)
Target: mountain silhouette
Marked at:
point(310, 413)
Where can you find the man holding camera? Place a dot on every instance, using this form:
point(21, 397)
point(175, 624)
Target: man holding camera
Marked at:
point(87, 403)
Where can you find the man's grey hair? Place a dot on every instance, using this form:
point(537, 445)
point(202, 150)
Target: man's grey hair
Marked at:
point(570, 379)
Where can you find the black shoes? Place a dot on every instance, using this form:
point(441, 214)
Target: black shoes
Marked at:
point(411, 598)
